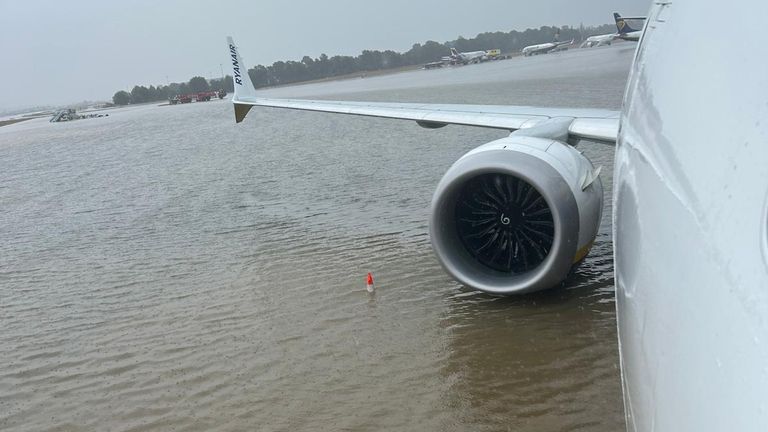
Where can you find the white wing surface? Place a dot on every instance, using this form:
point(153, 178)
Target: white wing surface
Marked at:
point(594, 124)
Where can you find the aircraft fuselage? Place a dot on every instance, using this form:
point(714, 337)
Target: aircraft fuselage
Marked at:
point(691, 224)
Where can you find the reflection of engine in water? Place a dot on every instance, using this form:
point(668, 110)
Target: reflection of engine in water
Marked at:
point(515, 215)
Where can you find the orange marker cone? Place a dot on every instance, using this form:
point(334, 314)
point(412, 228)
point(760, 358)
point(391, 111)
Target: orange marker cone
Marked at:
point(369, 283)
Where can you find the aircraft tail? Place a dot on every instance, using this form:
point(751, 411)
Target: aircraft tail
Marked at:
point(454, 52)
point(242, 82)
point(622, 25)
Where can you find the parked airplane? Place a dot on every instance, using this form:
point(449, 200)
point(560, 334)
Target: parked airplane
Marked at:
point(468, 57)
point(690, 212)
point(626, 32)
point(598, 40)
point(544, 48)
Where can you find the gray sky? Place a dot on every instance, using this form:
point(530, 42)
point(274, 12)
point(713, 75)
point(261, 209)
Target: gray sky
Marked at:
point(57, 52)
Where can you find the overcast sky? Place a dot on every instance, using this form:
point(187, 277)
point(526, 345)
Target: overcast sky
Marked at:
point(57, 52)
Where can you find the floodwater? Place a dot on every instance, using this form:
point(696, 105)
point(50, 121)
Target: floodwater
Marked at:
point(165, 269)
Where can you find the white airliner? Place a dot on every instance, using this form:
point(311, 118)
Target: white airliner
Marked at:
point(690, 211)
point(468, 57)
point(544, 48)
point(598, 40)
point(624, 31)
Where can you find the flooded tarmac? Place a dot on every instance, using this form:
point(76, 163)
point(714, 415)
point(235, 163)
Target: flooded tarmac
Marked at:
point(165, 269)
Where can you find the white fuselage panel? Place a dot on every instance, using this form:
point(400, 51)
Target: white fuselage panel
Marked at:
point(690, 197)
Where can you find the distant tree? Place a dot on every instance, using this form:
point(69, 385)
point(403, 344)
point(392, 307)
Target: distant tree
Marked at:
point(260, 76)
point(140, 94)
point(157, 93)
point(219, 83)
point(432, 51)
point(198, 84)
point(172, 89)
point(462, 44)
point(391, 59)
point(121, 98)
point(341, 65)
point(370, 60)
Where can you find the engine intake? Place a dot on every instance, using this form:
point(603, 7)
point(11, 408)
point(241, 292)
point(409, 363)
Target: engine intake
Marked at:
point(504, 223)
point(516, 214)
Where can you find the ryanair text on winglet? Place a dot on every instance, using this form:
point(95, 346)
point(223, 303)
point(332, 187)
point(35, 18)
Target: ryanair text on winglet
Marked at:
point(235, 65)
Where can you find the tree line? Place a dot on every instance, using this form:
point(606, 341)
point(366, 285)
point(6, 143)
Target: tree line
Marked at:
point(288, 72)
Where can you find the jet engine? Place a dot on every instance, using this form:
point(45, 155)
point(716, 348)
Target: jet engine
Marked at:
point(515, 215)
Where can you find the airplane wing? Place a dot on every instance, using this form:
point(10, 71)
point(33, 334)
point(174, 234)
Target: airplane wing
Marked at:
point(593, 124)
point(596, 124)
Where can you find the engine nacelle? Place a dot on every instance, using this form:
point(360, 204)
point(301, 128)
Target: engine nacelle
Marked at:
point(515, 215)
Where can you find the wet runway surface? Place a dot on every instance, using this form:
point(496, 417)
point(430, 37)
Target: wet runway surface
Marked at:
point(165, 269)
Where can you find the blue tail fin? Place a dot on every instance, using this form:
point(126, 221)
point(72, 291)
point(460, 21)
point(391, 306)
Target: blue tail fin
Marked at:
point(622, 25)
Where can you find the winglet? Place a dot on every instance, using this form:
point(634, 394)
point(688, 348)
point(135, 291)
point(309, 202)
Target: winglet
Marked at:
point(240, 111)
point(244, 89)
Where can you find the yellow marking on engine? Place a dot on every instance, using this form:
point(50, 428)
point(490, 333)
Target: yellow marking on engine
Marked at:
point(582, 253)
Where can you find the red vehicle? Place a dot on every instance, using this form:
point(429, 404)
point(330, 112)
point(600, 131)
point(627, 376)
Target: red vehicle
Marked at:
point(204, 96)
point(197, 97)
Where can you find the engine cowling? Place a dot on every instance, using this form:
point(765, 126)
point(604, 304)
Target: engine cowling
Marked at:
point(516, 214)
